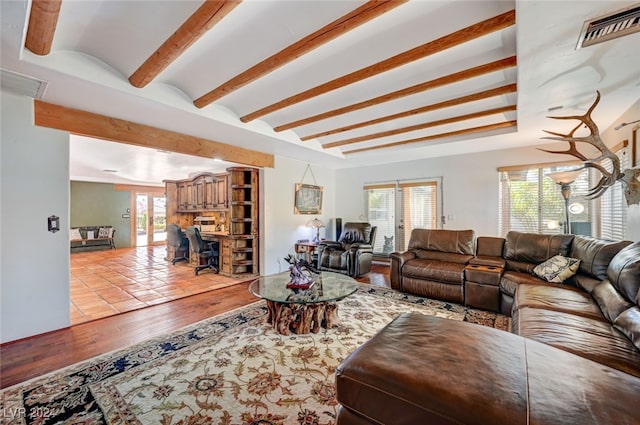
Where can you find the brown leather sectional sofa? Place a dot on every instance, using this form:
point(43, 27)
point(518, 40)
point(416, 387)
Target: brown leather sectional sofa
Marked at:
point(573, 354)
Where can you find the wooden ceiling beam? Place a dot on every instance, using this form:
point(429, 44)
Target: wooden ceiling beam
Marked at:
point(464, 35)
point(494, 111)
point(509, 88)
point(418, 88)
point(505, 124)
point(368, 11)
point(85, 123)
point(42, 25)
point(202, 20)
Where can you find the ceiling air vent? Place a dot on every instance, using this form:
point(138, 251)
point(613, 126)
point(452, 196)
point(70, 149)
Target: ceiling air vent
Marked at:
point(21, 84)
point(617, 24)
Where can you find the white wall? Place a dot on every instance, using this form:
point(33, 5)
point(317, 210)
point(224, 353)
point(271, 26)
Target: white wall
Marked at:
point(612, 137)
point(470, 185)
point(281, 228)
point(34, 263)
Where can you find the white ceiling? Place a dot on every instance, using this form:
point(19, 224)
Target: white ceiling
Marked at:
point(98, 44)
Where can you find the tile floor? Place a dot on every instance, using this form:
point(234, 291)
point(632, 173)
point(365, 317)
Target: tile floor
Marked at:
point(108, 282)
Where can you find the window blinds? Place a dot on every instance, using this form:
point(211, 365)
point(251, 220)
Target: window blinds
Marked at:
point(530, 201)
point(613, 207)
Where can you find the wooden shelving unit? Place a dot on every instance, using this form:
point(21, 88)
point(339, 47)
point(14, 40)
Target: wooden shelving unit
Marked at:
point(242, 249)
point(234, 194)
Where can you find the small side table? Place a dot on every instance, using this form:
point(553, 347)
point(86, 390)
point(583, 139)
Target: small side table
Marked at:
point(482, 286)
point(306, 249)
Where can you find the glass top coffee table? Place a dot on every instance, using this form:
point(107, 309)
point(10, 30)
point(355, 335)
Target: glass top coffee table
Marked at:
point(303, 311)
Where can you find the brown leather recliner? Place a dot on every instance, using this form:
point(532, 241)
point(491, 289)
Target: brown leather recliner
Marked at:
point(352, 253)
point(433, 264)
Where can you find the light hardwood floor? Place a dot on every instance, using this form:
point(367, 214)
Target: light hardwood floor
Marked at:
point(31, 357)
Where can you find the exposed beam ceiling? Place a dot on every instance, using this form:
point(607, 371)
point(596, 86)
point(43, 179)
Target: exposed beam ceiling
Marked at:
point(450, 40)
point(370, 10)
point(510, 88)
point(209, 14)
point(342, 83)
point(476, 71)
point(472, 130)
point(494, 111)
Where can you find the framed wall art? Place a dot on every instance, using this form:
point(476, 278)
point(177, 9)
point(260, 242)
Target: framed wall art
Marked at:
point(308, 199)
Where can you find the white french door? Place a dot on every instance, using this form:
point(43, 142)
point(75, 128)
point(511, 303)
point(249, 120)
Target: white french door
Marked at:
point(397, 208)
point(151, 217)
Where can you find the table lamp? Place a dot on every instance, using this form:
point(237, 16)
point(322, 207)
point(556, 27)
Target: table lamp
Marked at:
point(317, 224)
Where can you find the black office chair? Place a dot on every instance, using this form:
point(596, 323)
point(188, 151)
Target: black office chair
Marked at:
point(177, 239)
point(200, 249)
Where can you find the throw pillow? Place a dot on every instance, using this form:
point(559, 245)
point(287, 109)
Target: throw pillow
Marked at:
point(74, 234)
point(104, 232)
point(557, 269)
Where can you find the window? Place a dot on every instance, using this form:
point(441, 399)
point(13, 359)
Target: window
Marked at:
point(399, 207)
point(530, 201)
point(613, 206)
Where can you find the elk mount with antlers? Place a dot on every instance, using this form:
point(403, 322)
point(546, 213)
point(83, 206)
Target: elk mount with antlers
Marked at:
point(629, 177)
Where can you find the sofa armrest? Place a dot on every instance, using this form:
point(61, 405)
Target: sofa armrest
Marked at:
point(333, 244)
point(486, 260)
point(360, 248)
point(321, 248)
point(398, 259)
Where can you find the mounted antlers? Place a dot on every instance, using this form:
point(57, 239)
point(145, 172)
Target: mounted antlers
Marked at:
point(629, 177)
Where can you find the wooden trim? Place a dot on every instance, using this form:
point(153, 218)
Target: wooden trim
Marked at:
point(538, 165)
point(135, 188)
point(42, 25)
point(619, 146)
point(509, 88)
point(112, 129)
point(393, 132)
point(379, 186)
point(206, 17)
point(469, 33)
point(370, 10)
point(418, 184)
point(418, 88)
point(471, 130)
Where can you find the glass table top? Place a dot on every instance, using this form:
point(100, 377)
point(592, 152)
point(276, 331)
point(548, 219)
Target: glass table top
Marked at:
point(327, 287)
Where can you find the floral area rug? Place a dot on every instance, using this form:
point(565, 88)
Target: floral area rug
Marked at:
point(230, 369)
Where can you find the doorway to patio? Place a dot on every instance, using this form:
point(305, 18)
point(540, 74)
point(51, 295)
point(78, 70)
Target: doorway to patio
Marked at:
point(151, 219)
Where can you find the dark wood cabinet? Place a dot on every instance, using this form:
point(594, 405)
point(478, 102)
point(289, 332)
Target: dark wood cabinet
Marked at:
point(231, 201)
point(210, 200)
point(220, 191)
point(198, 185)
point(205, 192)
point(183, 198)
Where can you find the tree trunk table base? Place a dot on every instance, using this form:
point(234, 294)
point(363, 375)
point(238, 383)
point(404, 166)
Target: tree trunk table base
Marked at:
point(302, 318)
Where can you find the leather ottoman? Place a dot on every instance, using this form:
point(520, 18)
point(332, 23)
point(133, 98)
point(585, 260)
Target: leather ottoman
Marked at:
point(427, 370)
